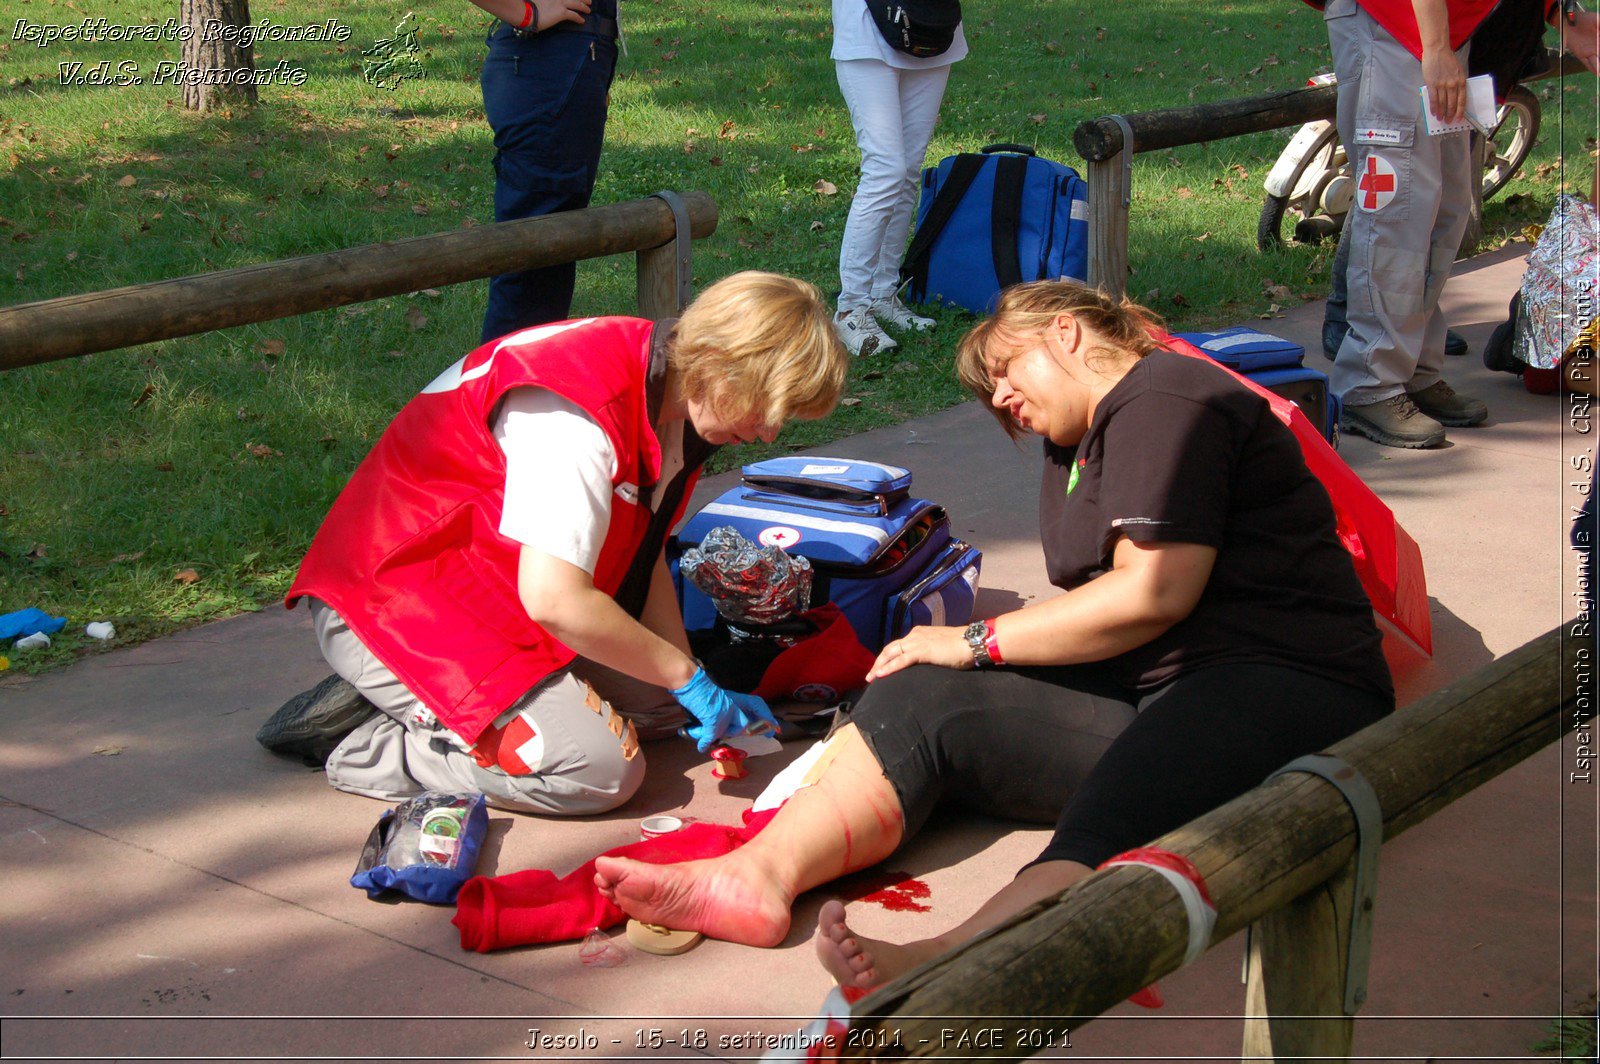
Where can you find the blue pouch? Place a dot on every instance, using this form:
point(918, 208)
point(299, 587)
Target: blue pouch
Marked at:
point(27, 622)
point(1278, 366)
point(426, 847)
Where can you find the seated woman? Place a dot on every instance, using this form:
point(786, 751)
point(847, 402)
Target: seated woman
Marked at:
point(1211, 629)
point(491, 580)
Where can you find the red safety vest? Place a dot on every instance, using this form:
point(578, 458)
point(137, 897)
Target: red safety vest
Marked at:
point(1400, 19)
point(411, 554)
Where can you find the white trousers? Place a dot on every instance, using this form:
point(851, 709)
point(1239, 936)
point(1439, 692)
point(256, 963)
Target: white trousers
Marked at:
point(894, 112)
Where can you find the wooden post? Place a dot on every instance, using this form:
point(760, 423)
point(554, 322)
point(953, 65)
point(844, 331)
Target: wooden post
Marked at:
point(1108, 226)
point(122, 317)
point(1294, 995)
point(658, 282)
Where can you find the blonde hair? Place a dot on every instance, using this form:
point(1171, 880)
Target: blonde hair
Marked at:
point(1118, 328)
point(761, 344)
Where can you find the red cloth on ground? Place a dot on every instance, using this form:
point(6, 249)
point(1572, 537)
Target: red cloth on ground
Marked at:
point(523, 908)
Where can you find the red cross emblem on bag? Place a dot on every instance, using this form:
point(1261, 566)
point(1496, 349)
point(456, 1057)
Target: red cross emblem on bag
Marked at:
point(1377, 185)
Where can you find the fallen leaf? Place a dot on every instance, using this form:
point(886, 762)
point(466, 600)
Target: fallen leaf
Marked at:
point(1278, 291)
point(144, 396)
point(850, 401)
point(416, 319)
point(396, 353)
point(38, 552)
point(715, 160)
point(381, 192)
point(135, 556)
point(667, 57)
point(817, 227)
point(727, 131)
point(271, 348)
point(164, 467)
point(127, 181)
point(431, 293)
point(1179, 299)
point(261, 450)
point(186, 577)
point(1202, 238)
point(1185, 192)
point(419, 208)
point(825, 187)
point(108, 751)
point(256, 175)
point(1038, 120)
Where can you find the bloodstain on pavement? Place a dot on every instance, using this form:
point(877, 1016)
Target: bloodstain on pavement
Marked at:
point(895, 891)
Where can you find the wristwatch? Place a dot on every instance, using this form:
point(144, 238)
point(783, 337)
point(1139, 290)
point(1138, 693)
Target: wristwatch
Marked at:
point(977, 635)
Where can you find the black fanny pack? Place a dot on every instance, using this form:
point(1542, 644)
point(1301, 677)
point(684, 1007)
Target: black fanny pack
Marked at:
point(921, 28)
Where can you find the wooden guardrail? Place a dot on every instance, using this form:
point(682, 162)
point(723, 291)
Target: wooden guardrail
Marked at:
point(1279, 857)
point(1108, 144)
point(122, 317)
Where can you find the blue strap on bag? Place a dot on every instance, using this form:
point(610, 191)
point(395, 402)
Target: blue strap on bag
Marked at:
point(990, 220)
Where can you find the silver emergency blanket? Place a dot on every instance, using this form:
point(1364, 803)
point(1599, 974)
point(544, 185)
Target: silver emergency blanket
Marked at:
point(1559, 284)
point(749, 585)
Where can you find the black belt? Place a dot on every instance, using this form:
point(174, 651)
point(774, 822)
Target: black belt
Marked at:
point(604, 27)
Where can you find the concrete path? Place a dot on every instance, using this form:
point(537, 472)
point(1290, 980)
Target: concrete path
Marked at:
point(173, 890)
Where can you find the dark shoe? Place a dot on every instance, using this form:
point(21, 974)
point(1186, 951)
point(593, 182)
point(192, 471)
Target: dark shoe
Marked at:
point(1395, 422)
point(1497, 352)
point(1441, 402)
point(313, 722)
point(1454, 343)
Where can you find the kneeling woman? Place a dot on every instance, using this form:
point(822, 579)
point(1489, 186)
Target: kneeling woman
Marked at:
point(1211, 628)
point(491, 579)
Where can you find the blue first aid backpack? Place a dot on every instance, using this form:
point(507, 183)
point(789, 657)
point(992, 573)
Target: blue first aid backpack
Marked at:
point(883, 556)
point(991, 220)
point(1277, 365)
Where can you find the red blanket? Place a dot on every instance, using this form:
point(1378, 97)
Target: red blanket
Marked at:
point(520, 909)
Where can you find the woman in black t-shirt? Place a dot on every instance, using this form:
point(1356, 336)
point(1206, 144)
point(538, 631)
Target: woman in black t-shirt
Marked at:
point(1211, 629)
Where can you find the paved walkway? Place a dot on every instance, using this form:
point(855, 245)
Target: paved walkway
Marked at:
point(174, 890)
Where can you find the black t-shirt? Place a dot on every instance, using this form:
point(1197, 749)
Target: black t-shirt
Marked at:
point(1180, 452)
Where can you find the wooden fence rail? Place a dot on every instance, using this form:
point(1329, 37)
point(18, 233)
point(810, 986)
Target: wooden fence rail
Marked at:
point(1268, 857)
point(122, 317)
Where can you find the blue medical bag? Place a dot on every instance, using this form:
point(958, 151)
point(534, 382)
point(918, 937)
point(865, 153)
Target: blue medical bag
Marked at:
point(990, 220)
point(1277, 365)
point(883, 556)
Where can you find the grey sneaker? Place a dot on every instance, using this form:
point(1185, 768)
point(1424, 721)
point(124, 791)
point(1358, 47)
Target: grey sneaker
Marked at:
point(1442, 403)
point(893, 312)
point(860, 332)
point(1395, 421)
point(313, 722)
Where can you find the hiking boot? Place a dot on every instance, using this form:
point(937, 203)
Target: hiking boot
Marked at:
point(1497, 353)
point(893, 312)
point(1333, 335)
point(861, 333)
point(1395, 422)
point(313, 722)
point(1441, 402)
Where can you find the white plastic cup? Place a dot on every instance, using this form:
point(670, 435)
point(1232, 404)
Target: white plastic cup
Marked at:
point(653, 827)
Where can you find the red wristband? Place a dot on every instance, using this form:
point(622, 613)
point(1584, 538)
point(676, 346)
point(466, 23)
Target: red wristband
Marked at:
point(527, 15)
point(991, 643)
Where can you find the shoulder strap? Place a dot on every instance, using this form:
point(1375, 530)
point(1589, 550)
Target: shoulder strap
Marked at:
point(1005, 219)
point(915, 265)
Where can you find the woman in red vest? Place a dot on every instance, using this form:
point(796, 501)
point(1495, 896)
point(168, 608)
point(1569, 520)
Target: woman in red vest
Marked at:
point(490, 585)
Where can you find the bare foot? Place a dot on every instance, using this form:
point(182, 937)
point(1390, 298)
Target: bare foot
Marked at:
point(864, 963)
point(722, 897)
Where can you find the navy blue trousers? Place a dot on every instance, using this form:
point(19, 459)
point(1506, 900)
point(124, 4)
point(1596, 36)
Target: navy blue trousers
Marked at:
point(545, 98)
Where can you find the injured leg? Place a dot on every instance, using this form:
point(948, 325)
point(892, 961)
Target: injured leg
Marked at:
point(863, 963)
point(848, 819)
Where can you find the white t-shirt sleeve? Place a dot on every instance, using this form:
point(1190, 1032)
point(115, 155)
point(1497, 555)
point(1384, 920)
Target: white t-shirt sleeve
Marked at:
point(559, 465)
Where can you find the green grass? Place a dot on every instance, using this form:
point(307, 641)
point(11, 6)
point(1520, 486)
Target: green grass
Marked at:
point(220, 453)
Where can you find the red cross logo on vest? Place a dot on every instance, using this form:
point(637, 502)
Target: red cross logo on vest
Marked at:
point(1377, 185)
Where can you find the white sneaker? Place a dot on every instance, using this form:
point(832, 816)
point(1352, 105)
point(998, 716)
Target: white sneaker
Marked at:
point(862, 336)
point(893, 312)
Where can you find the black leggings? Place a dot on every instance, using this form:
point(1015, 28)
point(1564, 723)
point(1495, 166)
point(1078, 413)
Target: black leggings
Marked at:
point(1112, 768)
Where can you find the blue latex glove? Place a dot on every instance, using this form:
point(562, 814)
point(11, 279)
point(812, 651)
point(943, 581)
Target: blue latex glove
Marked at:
point(29, 621)
point(720, 712)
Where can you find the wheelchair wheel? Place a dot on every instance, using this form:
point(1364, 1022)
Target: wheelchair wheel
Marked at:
point(1511, 140)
